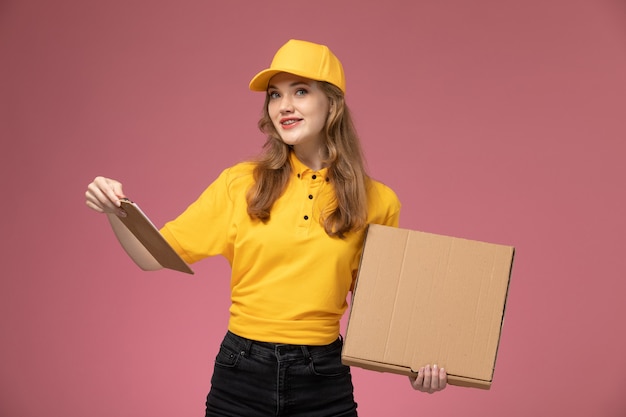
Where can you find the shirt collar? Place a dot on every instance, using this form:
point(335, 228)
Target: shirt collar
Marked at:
point(300, 170)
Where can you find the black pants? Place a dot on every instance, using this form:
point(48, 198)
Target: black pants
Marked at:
point(264, 379)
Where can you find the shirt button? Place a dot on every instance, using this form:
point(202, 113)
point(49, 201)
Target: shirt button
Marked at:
point(314, 176)
point(306, 217)
point(310, 197)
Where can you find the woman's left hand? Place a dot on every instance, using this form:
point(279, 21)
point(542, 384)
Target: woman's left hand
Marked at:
point(429, 379)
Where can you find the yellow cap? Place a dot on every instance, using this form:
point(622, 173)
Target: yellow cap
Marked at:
point(305, 59)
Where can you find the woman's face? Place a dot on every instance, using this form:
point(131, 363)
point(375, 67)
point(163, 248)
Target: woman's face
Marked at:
point(298, 109)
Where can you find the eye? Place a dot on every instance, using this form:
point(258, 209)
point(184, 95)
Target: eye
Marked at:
point(273, 94)
point(301, 92)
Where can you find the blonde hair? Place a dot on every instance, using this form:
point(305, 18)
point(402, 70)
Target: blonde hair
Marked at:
point(343, 156)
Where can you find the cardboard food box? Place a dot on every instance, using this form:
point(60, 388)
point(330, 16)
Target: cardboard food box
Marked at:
point(422, 298)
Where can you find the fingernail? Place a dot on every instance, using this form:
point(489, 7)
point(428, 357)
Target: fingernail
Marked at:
point(121, 213)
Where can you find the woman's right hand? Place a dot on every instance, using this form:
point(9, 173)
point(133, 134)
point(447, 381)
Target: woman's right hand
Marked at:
point(103, 195)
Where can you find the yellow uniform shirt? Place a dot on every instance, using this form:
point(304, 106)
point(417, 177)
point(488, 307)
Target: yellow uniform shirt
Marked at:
point(290, 280)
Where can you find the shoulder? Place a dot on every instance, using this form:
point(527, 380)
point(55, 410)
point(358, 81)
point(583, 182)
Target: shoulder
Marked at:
point(383, 203)
point(241, 169)
point(231, 182)
point(238, 174)
point(380, 191)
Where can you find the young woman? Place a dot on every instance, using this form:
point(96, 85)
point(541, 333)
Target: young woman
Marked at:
point(291, 224)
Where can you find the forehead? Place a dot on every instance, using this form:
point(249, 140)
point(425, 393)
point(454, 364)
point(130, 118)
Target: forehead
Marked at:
point(286, 79)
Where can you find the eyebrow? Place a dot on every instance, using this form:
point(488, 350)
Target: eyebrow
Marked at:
point(293, 84)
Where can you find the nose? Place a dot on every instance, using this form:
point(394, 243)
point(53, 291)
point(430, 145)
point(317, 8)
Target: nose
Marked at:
point(286, 105)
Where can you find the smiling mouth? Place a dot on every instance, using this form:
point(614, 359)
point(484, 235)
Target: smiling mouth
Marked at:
point(289, 122)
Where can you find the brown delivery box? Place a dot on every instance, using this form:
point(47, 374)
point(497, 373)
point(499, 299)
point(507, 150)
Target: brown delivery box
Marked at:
point(422, 298)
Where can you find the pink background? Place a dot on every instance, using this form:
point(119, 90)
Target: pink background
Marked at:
point(493, 120)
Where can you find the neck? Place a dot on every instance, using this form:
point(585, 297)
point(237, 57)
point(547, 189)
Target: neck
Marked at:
point(310, 157)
